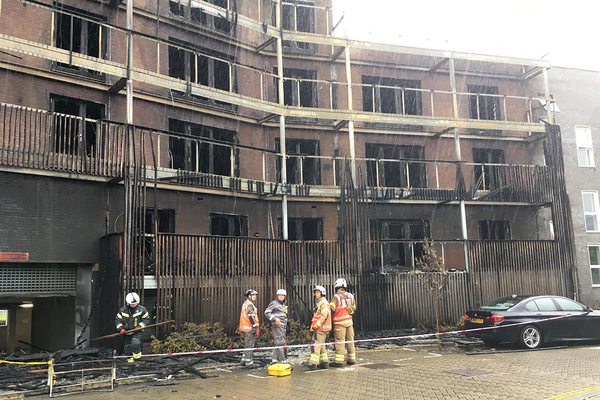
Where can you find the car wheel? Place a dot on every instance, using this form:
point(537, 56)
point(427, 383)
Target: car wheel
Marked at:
point(530, 338)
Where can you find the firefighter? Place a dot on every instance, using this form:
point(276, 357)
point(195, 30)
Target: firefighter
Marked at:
point(343, 305)
point(321, 324)
point(132, 316)
point(249, 325)
point(276, 312)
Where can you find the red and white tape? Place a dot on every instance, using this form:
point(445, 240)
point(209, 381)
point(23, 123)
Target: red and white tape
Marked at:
point(354, 341)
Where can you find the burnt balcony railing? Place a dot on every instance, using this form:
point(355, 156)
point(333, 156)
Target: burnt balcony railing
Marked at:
point(38, 139)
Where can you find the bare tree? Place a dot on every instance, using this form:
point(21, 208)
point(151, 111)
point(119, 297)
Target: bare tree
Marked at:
point(430, 270)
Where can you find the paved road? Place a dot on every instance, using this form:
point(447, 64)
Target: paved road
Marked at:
point(413, 372)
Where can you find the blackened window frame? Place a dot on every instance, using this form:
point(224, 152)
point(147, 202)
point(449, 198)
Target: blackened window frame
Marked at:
point(300, 229)
point(377, 89)
point(235, 224)
point(82, 42)
point(488, 177)
point(69, 134)
point(300, 170)
point(297, 16)
point(225, 25)
point(186, 151)
point(401, 174)
point(297, 83)
point(484, 102)
point(400, 241)
point(187, 61)
point(494, 229)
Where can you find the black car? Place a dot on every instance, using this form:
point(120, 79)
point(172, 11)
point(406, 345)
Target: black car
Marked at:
point(581, 322)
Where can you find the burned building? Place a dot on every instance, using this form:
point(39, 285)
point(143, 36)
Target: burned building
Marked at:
point(190, 150)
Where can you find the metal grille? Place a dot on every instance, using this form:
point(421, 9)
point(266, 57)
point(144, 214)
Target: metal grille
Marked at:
point(35, 278)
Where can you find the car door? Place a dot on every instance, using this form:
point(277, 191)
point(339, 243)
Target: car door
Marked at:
point(578, 324)
point(542, 308)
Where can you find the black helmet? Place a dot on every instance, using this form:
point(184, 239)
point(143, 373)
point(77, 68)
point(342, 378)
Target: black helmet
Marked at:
point(250, 292)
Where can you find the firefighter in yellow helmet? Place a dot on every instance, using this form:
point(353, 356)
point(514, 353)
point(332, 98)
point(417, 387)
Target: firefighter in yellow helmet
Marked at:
point(343, 305)
point(132, 316)
point(249, 326)
point(321, 324)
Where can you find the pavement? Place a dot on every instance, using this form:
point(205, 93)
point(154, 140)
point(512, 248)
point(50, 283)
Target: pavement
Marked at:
point(409, 372)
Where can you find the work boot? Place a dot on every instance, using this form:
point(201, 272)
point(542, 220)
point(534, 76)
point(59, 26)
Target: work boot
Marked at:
point(323, 366)
point(336, 365)
point(350, 362)
point(251, 366)
point(131, 359)
point(310, 366)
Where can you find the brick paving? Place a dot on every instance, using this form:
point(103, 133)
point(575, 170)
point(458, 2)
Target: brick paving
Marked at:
point(419, 373)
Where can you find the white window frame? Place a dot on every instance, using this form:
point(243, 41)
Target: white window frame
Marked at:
point(595, 213)
point(592, 267)
point(583, 137)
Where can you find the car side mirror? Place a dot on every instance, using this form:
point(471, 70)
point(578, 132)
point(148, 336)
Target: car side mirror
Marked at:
point(589, 309)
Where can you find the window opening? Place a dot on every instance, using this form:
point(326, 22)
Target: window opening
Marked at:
point(3, 317)
point(75, 126)
point(303, 168)
point(488, 177)
point(391, 95)
point(398, 243)
point(79, 36)
point(203, 156)
point(302, 228)
point(494, 230)
point(481, 104)
point(390, 173)
point(297, 16)
point(585, 151)
point(590, 210)
point(193, 11)
point(594, 257)
point(201, 68)
point(228, 225)
point(299, 87)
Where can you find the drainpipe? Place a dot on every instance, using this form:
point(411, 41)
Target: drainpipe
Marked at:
point(284, 210)
point(350, 108)
point(463, 213)
point(129, 169)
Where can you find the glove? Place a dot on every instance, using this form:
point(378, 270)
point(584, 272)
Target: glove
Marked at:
point(257, 332)
point(122, 331)
point(312, 329)
point(254, 330)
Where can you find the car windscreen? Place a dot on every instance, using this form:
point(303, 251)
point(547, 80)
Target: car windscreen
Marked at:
point(503, 304)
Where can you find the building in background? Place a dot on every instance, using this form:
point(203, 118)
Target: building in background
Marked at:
point(194, 149)
point(579, 119)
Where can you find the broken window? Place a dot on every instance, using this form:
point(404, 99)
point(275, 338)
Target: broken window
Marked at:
point(397, 243)
point(228, 225)
point(299, 87)
point(75, 126)
point(391, 95)
point(387, 172)
point(303, 168)
point(488, 177)
point(202, 67)
point(165, 223)
point(494, 230)
point(208, 156)
point(213, 19)
point(303, 228)
point(80, 36)
point(484, 102)
point(297, 16)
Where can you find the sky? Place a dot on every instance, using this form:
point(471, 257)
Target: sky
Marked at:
point(565, 32)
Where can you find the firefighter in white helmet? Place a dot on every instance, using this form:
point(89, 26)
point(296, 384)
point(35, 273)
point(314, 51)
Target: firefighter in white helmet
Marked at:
point(321, 325)
point(249, 326)
point(343, 305)
point(132, 316)
point(276, 312)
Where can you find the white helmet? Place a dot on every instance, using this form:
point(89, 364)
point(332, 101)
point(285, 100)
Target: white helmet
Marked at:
point(281, 291)
point(341, 282)
point(320, 289)
point(132, 298)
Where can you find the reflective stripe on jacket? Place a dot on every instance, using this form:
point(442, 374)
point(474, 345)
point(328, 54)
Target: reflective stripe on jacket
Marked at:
point(341, 302)
point(130, 318)
point(321, 321)
point(247, 314)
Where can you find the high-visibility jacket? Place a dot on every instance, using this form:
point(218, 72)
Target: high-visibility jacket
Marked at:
point(130, 318)
point(343, 305)
point(321, 320)
point(248, 317)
